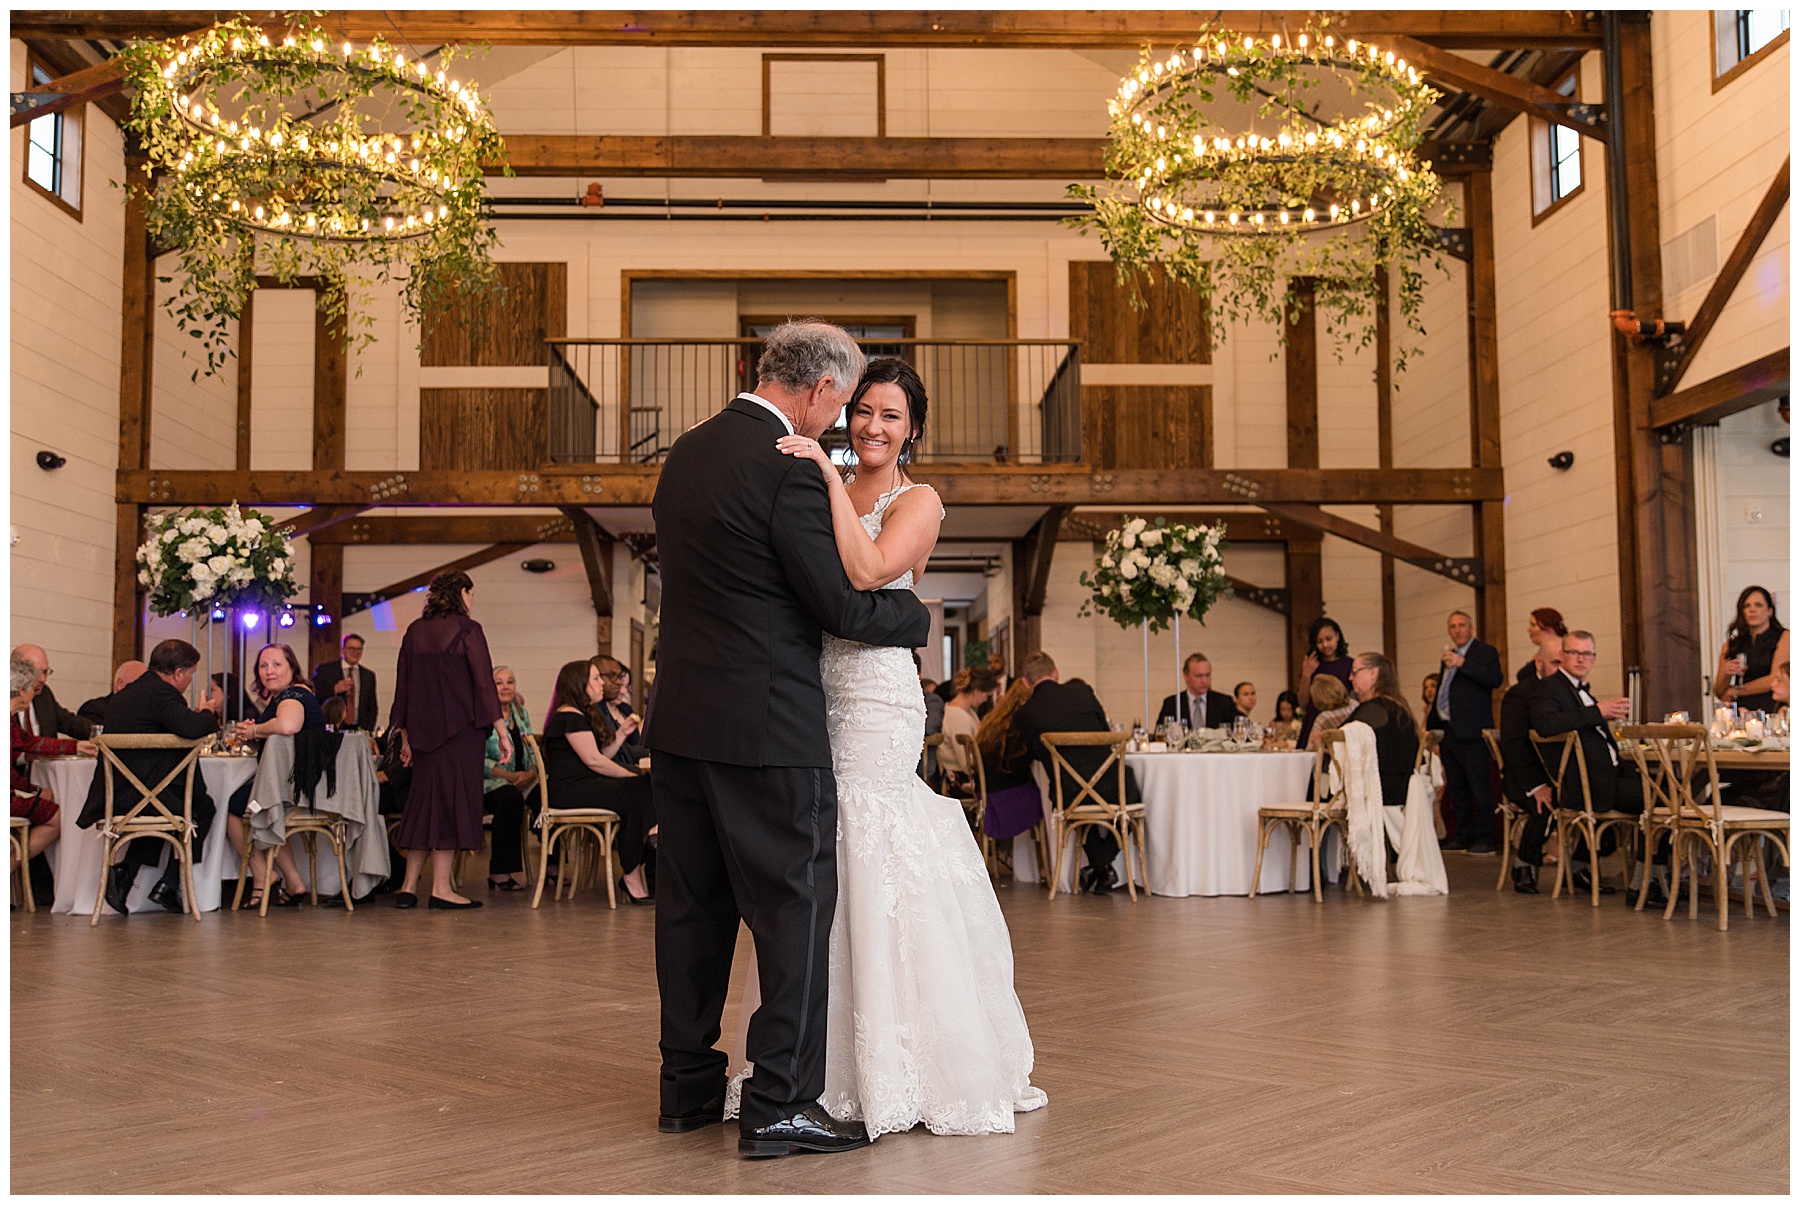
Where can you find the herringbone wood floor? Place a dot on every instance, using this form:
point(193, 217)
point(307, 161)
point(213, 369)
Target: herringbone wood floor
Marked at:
point(1480, 1042)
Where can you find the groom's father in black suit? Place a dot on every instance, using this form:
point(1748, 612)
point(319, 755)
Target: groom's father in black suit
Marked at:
point(745, 797)
point(1465, 705)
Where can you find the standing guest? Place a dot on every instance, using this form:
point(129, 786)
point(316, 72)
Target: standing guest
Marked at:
point(581, 772)
point(1465, 706)
point(1545, 629)
point(46, 716)
point(36, 804)
point(1380, 706)
point(1287, 716)
point(1331, 706)
point(289, 707)
point(973, 687)
point(1197, 704)
point(1754, 645)
point(154, 705)
point(1244, 695)
point(510, 786)
point(444, 698)
point(1327, 653)
point(94, 710)
point(351, 681)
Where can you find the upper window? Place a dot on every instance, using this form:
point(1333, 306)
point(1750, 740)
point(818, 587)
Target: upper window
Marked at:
point(1556, 168)
point(1742, 36)
point(53, 149)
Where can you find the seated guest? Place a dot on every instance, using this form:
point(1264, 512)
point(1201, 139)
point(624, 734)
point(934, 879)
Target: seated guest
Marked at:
point(333, 711)
point(1522, 776)
point(237, 703)
point(1380, 706)
point(149, 706)
point(613, 713)
point(1014, 805)
point(934, 718)
point(1287, 716)
point(581, 773)
point(1244, 695)
point(94, 710)
point(36, 804)
point(1331, 706)
point(289, 707)
point(1428, 691)
point(1055, 706)
point(1198, 705)
point(46, 717)
point(973, 688)
point(509, 785)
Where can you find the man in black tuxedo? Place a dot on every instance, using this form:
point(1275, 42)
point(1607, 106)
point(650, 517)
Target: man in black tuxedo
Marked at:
point(1465, 706)
point(1199, 705)
point(741, 765)
point(154, 704)
point(1058, 706)
point(1524, 781)
point(351, 681)
point(47, 717)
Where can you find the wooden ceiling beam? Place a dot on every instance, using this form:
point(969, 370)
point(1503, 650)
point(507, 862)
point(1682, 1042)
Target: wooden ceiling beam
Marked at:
point(451, 529)
point(1761, 380)
point(77, 83)
point(361, 601)
point(1453, 73)
point(1045, 28)
point(315, 522)
point(958, 485)
point(1464, 570)
point(748, 156)
point(1241, 527)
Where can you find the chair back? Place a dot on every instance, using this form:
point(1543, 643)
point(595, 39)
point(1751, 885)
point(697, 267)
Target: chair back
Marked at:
point(1087, 792)
point(1558, 753)
point(543, 779)
point(110, 746)
point(1492, 737)
point(1670, 758)
point(978, 774)
point(1325, 795)
point(933, 741)
point(1428, 747)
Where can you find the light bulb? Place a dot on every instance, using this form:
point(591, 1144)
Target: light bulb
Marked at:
point(1303, 41)
point(259, 213)
point(443, 211)
point(390, 223)
point(1330, 41)
point(1234, 219)
point(1249, 42)
point(1209, 216)
point(1308, 215)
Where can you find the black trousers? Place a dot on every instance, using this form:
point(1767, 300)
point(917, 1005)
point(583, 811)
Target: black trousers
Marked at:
point(1628, 796)
point(760, 845)
point(506, 803)
point(1470, 793)
point(146, 850)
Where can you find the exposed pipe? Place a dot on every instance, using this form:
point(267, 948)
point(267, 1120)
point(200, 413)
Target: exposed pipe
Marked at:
point(1618, 208)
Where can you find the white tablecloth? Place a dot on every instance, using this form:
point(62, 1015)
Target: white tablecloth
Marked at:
point(1200, 822)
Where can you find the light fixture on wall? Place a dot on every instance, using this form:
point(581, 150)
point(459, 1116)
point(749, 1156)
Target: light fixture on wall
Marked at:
point(1780, 447)
point(48, 460)
point(537, 564)
point(1562, 460)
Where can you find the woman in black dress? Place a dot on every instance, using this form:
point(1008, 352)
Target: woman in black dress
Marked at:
point(613, 713)
point(581, 773)
point(1380, 706)
point(1754, 645)
point(1328, 653)
point(1545, 629)
point(289, 707)
point(444, 703)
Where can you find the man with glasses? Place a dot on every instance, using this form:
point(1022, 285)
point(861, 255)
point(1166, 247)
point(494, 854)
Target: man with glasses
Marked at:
point(46, 717)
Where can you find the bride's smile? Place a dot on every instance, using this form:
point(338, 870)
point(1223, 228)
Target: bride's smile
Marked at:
point(880, 425)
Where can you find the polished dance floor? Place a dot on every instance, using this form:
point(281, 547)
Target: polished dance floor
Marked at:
point(1483, 1042)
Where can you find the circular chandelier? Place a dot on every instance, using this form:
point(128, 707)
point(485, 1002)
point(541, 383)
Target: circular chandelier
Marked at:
point(271, 161)
point(1223, 168)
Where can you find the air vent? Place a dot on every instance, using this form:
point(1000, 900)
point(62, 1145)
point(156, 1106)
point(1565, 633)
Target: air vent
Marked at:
point(1691, 257)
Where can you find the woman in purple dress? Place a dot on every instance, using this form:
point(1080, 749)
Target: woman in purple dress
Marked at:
point(1328, 653)
point(444, 703)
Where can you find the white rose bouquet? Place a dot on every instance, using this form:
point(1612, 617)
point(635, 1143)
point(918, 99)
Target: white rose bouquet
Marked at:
point(222, 556)
point(1149, 574)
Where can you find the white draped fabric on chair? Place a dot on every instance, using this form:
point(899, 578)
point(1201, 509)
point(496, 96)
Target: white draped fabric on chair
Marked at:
point(1419, 866)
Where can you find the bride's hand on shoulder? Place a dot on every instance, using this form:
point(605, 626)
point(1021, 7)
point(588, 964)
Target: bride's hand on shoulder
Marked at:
point(808, 449)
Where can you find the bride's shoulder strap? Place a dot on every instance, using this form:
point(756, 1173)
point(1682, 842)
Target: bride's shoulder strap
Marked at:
point(920, 485)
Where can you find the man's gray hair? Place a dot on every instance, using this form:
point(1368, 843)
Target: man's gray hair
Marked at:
point(24, 673)
point(797, 354)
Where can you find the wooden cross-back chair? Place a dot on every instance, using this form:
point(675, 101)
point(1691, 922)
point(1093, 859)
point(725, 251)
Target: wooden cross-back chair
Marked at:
point(120, 829)
point(1565, 753)
point(1512, 816)
point(21, 846)
point(972, 789)
point(1428, 747)
point(1672, 758)
point(568, 825)
point(1089, 809)
point(1311, 819)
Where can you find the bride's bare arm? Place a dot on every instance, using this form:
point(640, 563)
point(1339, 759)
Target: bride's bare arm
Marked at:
point(909, 529)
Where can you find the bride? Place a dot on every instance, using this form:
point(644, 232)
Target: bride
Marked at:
point(923, 1025)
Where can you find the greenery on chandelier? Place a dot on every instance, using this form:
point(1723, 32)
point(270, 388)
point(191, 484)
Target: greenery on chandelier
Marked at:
point(289, 155)
point(1236, 213)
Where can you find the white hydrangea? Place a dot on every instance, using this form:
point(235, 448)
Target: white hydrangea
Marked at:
point(1151, 538)
point(1128, 538)
point(1189, 566)
point(1163, 575)
point(1128, 569)
point(1135, 526)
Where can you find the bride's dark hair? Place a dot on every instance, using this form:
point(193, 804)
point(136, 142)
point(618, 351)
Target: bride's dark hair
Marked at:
point(889, 370)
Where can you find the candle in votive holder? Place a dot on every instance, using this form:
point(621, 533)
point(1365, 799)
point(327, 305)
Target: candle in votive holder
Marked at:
point(1753, 727)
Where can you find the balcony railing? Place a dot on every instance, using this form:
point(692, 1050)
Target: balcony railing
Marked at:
point(993, 400)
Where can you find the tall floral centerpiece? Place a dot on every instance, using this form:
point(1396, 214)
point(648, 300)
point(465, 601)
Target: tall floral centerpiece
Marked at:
point(1152, 574)
point(220, 557)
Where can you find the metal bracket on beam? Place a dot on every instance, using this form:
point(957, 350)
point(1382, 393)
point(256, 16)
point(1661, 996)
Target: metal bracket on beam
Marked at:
point(1581, 114)
point(29, 102)
point(356, 603)
point(1273, 598)
point(1462, 154)
point(1459, 241)
point(1464, 569)
point(1674, 433)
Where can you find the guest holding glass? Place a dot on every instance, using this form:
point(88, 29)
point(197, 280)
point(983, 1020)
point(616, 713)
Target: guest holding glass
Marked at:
point(611, 713)
point(289, 706)
point(1380, 706)
point(581, 772)
point(510, 785)
point(444, 701)
point(1754, 645)
point(1331, 706)
point(1328, 654)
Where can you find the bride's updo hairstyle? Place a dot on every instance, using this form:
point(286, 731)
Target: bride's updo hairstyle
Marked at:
point(889, 370)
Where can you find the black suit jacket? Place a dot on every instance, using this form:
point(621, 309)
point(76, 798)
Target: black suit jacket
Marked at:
point(750, 580)
point(149, 705)
point(1523, 771)
point(1221, 710)
point(327, 675)
point(1472, 690)
point(1555, 709)
point(1069, 707)
point(54, 720)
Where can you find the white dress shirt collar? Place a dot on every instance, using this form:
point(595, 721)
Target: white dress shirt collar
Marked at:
point(766, 404)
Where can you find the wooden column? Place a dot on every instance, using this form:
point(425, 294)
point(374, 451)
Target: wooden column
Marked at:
point(331, 385)
point(1484, 407)
point(1031, 559)
point(326, 589)
point(1658, 575)
point(1384, 436)
point(137, 307)
point(1305, 569)
point(246, 337)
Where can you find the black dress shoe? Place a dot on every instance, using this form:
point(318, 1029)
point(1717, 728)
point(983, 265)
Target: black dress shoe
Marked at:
point(1656, 897)
point(1585, 884)
point(1483, 849)
point(686, 1123)
point(118, 887)
point(405, 899)
point(1525, 880)
point(451, 905)
point(1105, 881)
point(812, 1129)
point(1084, 882)
point(1453, 846)
point(168, 895)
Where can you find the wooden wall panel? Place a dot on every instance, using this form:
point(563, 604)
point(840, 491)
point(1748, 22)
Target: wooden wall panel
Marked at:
point(483, 428)
point(1148, 426)
point(513, 324)
point(1170, 329)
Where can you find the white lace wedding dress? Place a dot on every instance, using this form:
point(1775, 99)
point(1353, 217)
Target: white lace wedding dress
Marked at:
point(923, 1026)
